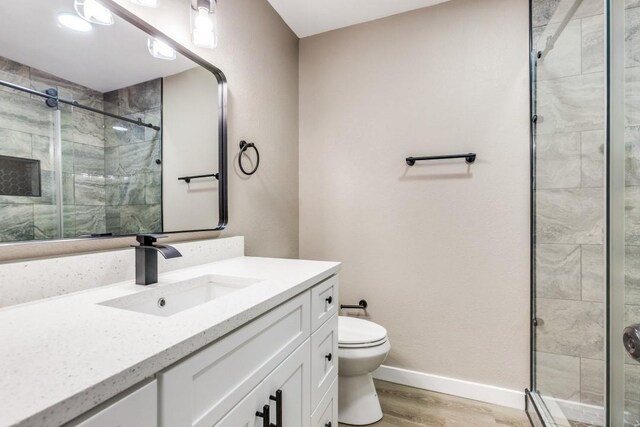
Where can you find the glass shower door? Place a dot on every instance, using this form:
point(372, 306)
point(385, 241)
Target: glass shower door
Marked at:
point(569, 193)
point(624, 212)
point(29, 196)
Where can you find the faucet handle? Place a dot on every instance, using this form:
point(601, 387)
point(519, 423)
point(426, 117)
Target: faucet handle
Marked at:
point(148, 239)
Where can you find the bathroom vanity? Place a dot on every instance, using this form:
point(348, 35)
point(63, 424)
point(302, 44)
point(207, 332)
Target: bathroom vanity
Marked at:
point(240, 341)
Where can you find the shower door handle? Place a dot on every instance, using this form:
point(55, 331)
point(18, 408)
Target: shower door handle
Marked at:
point(631, 340)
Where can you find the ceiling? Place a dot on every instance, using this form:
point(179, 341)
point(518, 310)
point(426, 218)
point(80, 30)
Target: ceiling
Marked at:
point(104, 59)
point(307, 17)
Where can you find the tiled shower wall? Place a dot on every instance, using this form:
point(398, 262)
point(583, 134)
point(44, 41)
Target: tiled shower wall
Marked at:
point(133, 160)
point(570, 197)
point(632, 200)
point(27, 129)
point(94, 180)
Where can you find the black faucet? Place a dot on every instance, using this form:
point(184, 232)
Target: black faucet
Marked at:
point(147, 258)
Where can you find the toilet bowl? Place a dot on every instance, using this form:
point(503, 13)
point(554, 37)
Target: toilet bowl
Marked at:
point(362, 347)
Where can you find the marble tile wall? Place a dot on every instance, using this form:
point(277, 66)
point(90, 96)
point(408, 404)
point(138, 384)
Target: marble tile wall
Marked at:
point(632, 200)
point(111, 181)
point(570, 202)
point(133, 160)
point(570, 196)
point(23, 116)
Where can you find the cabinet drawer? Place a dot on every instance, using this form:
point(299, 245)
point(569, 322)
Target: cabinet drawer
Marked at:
point(324, 359)
point(138, 409)
point(326, 415)
point(201, 389)
point(324, 301)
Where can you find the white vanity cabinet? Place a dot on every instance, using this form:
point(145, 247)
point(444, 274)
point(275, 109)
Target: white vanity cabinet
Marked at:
point(283, 363)
point(138, 408)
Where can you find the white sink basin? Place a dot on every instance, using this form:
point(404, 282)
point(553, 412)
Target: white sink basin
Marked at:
point(166, 300)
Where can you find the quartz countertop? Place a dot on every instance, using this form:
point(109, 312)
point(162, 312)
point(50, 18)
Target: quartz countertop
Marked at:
point(62, 356)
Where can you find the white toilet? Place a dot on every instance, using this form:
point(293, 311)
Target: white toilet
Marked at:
point(362, 347)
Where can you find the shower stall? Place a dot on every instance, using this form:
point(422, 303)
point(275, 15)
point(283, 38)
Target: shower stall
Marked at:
point(75, 161)
point(585, 115)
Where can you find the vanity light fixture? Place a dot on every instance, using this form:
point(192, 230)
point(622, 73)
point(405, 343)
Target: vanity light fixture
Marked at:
point(74, 22)
point(92, 11)
point(204, 26)
point(160, 50)
point(145, 3)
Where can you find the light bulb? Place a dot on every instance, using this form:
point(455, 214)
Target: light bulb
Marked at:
point(94, 12)
point(145, 3)
point(160, 50)
point(73, 22)
point(203, 23)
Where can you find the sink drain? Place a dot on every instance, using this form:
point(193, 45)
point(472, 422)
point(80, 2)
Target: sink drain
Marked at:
point(162, 302)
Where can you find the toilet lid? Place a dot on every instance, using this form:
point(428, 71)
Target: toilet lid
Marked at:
point(359, 331)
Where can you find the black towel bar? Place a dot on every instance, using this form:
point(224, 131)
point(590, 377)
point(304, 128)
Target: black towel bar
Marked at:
point(188, 179)
point(469, 157)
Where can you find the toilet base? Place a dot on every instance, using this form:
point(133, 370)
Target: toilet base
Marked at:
point(358, 402)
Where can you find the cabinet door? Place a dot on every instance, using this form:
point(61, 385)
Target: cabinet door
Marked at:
point(244, 413)
point(291, 378)
point(137, 409)
point(326, 415)
point(324, 359)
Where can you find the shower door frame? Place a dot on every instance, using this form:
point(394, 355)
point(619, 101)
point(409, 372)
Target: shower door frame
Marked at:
point(615, 154)
point(614, 240)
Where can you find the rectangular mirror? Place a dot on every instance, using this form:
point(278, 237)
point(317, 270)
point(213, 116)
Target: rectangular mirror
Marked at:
point(107, 128)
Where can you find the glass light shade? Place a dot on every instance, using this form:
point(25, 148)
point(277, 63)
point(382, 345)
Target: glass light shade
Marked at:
point(92, 11)
point(204, 28)
point(145, 3)
point(160, 50)
point(74, 22)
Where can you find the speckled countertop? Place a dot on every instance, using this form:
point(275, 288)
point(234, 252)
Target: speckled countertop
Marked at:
point(62, 356)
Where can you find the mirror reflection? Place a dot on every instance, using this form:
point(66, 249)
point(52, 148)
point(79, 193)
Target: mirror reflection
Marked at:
point(98, 121)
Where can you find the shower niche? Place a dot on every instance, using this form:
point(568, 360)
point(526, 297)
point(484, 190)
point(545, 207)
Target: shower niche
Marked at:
point(97, 126)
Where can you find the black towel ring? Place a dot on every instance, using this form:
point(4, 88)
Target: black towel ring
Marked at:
point(244, 146)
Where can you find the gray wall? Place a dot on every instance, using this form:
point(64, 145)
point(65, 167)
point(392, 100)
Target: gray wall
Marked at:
point(439, 250)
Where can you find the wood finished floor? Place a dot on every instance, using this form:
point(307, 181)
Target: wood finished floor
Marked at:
point(411, 407)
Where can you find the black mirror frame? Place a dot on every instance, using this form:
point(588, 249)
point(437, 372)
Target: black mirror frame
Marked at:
point(223, 201)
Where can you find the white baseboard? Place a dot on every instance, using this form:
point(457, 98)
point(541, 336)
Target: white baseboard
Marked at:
point(467, 389)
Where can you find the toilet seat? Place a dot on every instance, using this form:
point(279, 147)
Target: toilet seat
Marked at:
point(359, 333)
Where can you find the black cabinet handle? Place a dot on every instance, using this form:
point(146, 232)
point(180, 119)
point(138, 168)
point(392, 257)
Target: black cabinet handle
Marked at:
point(328, 424)
point(264, 415)
point(329, 300)
point(278, 399)
point(329, 357)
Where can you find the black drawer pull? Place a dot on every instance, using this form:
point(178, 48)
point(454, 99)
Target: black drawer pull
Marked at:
point(278, 399)
point(264, 415)
point(329, 300)
point(328, 424)
point(329, 357)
